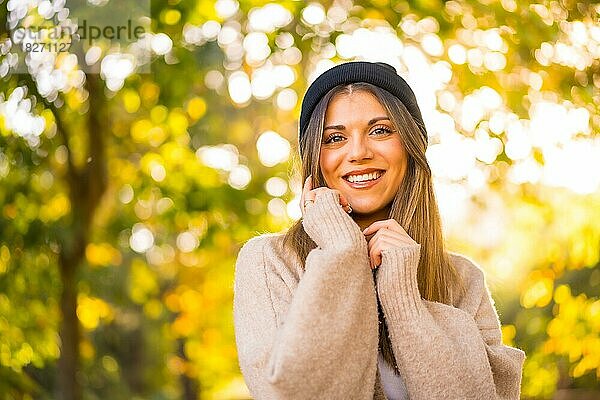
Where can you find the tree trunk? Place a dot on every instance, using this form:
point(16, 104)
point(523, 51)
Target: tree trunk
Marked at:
point(86, 187)
point(189, 386)
point(68, 385)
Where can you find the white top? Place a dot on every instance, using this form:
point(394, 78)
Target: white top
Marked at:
point(393, 385)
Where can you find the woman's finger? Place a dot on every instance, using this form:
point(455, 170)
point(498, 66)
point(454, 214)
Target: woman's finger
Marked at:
point(341, 198)
point(390, 224)
point(305, 190)
point(391, 228)
point(345, 203)
point(381, 235)
point(388, 239)
point(393, 236)
point(376, 249)
point(311, 194)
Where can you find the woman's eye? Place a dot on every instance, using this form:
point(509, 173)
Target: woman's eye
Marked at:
point(378, 131)
point(332, 137)
point(383, 130)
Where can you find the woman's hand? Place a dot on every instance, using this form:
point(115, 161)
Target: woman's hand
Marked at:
point(385, 234)
point(326, 221)
point(309, 194)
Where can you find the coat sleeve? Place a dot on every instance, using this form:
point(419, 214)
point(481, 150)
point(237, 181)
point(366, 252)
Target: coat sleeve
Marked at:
point(323, 342)
point(444, 352)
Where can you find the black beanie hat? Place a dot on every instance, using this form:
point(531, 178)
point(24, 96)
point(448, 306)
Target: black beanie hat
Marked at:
point(377, 73)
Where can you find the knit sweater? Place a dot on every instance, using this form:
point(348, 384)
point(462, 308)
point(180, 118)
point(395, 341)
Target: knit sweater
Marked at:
point(312, 333)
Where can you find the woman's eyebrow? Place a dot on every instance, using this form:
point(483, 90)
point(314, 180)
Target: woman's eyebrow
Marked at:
point(342, 127)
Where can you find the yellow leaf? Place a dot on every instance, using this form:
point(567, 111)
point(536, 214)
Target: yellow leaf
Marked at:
point(170, 17)
point(57, 207)
point(196, 108)
point(140, 130)
point(91, 310)
point(508, 334)
point(102, 254)
point(177, 122)
point(131, 101)
point(142, 282)
point(158, 114)
point(149, 92)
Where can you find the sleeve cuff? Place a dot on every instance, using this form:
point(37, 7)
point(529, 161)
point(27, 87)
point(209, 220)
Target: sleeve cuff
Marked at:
point(326, 222)
point(397, 285)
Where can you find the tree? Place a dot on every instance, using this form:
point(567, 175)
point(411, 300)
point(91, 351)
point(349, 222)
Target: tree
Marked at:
point(127, 195)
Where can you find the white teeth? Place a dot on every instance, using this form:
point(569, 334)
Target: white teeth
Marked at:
point(364, 177)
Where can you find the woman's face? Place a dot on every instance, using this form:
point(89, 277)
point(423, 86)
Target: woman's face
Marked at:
point(358, 139)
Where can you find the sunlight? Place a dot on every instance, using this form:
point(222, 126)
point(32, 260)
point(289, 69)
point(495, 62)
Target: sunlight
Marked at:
point(240, 89)
point(223, 156)
point(239, 177)
point(313, 14)
point(272, 148)
point(276, 186)
point(141, 238)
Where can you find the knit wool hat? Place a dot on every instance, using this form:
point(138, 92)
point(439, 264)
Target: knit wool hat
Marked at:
point(377, 73)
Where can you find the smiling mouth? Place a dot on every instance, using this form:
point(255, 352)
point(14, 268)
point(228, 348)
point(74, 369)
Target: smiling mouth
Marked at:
point(364, 178)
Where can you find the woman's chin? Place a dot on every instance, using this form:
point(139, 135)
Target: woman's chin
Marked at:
point(357, 210)
point(365, 209)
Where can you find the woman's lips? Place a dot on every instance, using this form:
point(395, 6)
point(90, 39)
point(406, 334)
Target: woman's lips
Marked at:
point(366, 184)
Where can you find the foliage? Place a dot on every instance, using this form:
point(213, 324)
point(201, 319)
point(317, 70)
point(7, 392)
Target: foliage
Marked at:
point(161, 178)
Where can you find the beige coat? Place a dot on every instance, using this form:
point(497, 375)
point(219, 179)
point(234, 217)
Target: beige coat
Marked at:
point(313, 334)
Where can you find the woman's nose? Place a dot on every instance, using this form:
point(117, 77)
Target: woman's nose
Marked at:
point(359, 148)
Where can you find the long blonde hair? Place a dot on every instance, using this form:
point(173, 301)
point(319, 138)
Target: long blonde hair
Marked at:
point(414, 205)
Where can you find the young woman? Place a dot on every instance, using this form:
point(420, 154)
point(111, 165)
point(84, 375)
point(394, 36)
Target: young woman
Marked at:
point(359, 299)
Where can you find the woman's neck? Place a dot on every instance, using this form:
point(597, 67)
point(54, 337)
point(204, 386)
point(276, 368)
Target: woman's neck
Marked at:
point(364, 220)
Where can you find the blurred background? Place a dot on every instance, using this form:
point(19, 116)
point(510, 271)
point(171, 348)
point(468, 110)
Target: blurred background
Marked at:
point(130, 176)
